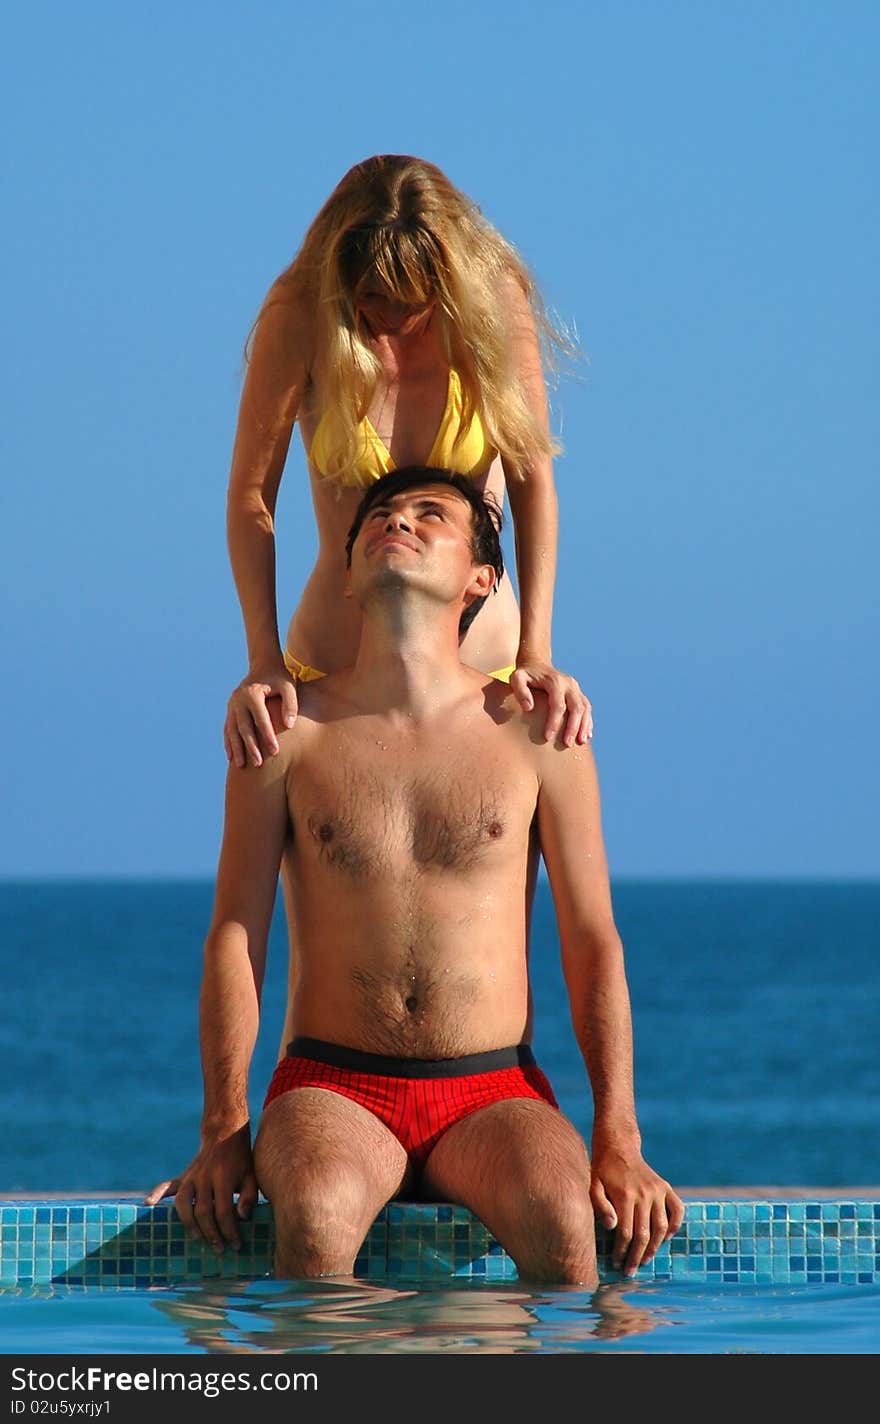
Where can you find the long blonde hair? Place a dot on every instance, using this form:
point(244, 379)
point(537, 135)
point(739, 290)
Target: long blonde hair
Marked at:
point(401, 220)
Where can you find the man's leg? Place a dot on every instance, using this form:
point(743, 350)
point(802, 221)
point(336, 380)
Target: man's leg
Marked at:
point(328, 1166)
point(523, 1169)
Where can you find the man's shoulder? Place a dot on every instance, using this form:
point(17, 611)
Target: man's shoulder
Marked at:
point(506, 726)
point(528, 728)
point(504, 707)
point(290, 739)
point(320, 702)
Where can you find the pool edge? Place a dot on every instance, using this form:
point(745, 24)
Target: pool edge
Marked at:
point(733, 1235)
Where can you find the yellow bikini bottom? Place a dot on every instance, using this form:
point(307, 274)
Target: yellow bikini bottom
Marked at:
point(303, 673)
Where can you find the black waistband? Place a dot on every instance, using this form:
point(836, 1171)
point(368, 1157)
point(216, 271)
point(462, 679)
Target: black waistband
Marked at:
point(340, 1056)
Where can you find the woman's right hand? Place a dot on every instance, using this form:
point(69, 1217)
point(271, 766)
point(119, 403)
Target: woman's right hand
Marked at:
point(248, 734)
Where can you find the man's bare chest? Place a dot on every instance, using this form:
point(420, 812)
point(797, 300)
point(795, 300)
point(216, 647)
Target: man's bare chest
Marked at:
point(380, 808)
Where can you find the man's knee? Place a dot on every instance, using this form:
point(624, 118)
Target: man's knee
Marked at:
point(320, 1223)
point(322, 1206)
point(563, 1217)
point(558, 1238)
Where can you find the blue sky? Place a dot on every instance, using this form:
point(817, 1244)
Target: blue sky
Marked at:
point(694, 187)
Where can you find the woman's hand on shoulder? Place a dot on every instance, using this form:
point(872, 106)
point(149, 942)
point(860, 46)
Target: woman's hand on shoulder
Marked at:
point(248, 733)
point(568, 709)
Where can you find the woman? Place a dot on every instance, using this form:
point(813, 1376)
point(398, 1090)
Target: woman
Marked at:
point(406, 331)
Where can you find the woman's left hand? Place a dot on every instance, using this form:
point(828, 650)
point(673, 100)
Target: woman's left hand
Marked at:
point(567, 707)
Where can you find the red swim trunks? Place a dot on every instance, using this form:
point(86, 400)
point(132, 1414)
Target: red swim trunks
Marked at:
point(417, 1099)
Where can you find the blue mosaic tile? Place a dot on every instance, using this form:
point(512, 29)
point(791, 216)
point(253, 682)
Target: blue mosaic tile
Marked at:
point(125, 1244)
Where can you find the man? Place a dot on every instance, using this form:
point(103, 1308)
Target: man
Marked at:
point(406, 811)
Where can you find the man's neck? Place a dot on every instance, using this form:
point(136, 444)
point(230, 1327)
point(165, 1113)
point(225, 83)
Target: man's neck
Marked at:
point(407, 665)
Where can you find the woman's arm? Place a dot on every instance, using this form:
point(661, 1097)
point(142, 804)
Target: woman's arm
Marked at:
point(276, 379)
point(534, 509)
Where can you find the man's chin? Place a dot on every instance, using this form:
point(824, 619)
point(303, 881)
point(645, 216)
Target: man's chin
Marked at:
point(391, 576)
point(395, 547)
point(391, 572)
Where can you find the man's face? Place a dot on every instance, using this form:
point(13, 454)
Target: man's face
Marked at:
point(422, 538)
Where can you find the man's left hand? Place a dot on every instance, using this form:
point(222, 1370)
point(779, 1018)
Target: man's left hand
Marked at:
point(640, 1207)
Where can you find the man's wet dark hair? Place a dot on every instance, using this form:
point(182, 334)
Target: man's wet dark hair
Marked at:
point(486, 519)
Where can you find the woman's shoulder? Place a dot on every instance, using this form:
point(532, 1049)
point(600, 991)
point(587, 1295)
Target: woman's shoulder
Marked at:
point(515, 301)
point(283, 337)
point(286, 318)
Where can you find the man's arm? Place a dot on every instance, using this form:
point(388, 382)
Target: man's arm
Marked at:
point(626, 1192)
point(254, 831)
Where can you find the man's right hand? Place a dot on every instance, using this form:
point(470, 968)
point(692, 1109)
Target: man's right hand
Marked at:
point(203, 1194)
point(248, 734)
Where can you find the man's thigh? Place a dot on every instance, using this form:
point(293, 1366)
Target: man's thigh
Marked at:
point(312, 1139)
point(501, 1157)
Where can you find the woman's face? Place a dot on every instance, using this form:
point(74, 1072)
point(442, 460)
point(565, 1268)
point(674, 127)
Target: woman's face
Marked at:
point(384, 315)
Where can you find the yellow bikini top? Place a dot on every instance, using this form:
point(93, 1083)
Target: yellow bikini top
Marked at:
point(472, 455)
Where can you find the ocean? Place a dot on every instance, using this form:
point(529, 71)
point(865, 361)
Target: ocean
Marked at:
point(755, 1011)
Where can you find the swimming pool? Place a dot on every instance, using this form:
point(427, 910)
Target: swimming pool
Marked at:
point(791, 1273)
point(469, 1317)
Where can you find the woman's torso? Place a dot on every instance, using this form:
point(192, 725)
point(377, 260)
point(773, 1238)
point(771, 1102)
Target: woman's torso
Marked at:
point(412, 420)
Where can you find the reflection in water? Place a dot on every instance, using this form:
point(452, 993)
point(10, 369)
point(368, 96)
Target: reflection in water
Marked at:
point(450, 1316)
point(338, 1316)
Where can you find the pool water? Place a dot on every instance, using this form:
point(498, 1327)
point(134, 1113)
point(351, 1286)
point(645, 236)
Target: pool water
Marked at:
point(334, 1317)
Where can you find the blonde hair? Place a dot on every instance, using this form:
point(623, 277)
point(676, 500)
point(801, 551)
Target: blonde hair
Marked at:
point(401, 220)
